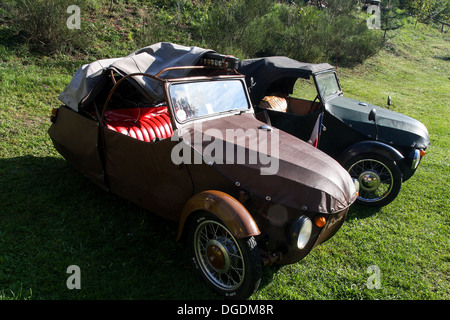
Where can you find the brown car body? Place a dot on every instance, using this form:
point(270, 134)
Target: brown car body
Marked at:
point(308, 185)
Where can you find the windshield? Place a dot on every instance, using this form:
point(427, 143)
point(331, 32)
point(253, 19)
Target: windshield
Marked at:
point(199, 99)
point(328, 85)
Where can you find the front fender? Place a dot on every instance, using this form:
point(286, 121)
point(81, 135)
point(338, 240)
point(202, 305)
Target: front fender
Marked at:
point(229, 210)
point(369, 147)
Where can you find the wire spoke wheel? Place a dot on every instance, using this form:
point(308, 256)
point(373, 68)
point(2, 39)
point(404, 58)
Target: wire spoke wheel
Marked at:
point(375, 179)
point(230, 266)
point(379, 179)
point(219, 255)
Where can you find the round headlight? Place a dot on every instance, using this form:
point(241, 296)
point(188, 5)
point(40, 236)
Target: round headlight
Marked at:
point(300, 232)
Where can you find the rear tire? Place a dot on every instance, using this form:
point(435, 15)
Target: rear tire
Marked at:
point(230, 266)
point(380, 179)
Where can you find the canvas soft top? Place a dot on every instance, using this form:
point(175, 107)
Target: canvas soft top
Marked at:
point(151, 59)
point(277, 73)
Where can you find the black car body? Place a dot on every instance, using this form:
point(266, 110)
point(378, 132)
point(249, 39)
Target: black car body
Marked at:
point(379, 147)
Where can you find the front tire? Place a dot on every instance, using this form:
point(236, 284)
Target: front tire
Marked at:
point(230, 266)
point(380, 179)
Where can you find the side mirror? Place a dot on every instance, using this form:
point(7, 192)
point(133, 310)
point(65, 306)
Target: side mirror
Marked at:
point(373, 115)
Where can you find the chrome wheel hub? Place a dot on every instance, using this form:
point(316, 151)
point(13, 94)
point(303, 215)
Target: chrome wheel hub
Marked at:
point(375, 179)
point(218, 256)
point(369, 181)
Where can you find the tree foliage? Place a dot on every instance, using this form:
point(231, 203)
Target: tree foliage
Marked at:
point(429, 9)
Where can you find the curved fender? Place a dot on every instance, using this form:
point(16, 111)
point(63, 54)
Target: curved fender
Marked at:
point(229, 210)
point(369, 146)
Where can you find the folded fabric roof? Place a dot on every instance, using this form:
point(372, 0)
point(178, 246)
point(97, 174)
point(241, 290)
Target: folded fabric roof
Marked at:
point(151, 59)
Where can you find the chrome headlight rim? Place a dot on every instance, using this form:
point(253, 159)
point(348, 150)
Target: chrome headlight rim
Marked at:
point(300, 232)
point(415, 159)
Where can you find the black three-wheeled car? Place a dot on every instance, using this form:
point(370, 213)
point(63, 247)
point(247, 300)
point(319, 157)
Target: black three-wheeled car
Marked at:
point(377, 146)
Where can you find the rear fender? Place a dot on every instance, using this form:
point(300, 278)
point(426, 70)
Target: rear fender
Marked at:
point(226, 208)
point(369, 147)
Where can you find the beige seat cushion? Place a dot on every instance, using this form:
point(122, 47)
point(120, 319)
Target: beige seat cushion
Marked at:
point(276, 103)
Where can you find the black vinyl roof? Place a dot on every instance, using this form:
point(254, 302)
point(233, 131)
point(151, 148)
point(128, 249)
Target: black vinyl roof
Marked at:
point(276, 73)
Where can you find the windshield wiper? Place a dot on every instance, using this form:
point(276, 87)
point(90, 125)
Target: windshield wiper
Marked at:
point(235, 110)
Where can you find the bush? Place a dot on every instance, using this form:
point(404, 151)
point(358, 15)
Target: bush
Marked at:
point(245, 28)
point(228, 21)
point(43, 24)
point(305, 33)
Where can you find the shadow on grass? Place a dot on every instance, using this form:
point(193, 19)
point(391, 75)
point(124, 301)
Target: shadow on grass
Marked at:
point(444, 58)
point(361, 212)
point(356, 212)
point(52, 217)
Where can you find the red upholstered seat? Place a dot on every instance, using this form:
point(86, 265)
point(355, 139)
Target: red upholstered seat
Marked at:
point(146, 124)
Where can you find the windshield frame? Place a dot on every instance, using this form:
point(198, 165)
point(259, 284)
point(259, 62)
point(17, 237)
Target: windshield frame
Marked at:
point(244, 109)
point(323, 96)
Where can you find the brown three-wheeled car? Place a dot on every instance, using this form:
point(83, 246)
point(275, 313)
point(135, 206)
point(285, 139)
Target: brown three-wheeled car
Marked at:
point(172, 129)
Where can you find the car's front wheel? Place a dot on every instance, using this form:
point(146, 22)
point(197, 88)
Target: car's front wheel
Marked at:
point(379, 178)
point(230, 266)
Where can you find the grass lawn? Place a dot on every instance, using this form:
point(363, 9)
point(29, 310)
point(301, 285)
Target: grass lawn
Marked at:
point(51, 217)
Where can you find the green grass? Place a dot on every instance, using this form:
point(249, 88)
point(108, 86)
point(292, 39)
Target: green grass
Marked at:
point(409, 239)
point(52, 217)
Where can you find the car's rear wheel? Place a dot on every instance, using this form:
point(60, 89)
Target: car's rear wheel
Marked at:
point(379, 178)
point(230, 266)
